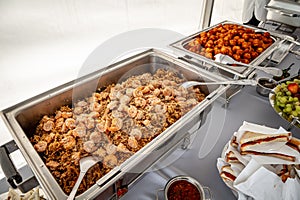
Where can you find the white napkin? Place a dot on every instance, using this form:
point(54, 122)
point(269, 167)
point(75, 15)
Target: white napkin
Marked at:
point(258, 179)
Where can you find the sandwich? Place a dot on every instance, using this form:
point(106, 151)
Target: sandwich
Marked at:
point(227, 174)
point(275, 155)
point(251, 139)
point(294, 143)
point(230, 157)
point(233, 142)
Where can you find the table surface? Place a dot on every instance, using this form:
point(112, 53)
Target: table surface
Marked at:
point(199, 160)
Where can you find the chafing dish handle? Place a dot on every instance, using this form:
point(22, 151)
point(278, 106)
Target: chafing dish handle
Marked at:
point(9, 169)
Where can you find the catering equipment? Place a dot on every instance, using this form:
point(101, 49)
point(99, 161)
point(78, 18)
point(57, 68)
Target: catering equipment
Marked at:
point(22, 118)
point(283, 17)
point(284, 11)
point(225, 70)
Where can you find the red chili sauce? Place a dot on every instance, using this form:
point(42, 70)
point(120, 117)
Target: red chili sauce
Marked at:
point(183, 190)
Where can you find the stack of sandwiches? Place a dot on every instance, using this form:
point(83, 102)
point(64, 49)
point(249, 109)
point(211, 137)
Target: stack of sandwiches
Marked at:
point(252, 143)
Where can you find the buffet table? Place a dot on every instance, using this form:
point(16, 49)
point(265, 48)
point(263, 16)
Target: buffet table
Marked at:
point(199, 159)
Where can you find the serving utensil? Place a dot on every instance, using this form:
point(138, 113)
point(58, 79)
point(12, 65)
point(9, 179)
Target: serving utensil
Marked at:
point(225, 59)
point(188, 84)
point(85, 164)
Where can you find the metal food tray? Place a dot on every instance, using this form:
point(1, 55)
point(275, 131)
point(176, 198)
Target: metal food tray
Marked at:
point(242, 72)
point(22, 118)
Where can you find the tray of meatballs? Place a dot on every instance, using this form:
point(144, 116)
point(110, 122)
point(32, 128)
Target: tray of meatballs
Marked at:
point(246, 44)
point(127, 115)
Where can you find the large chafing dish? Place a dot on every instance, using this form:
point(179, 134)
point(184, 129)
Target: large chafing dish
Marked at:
point(225, 70)
point(22, 118)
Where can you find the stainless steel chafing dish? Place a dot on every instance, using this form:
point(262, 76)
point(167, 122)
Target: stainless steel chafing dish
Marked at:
point(225, 70)
point(22, 118)
point(284, 11)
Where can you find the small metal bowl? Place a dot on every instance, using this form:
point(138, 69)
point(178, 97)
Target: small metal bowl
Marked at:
point(265, 86)
point(204, 192)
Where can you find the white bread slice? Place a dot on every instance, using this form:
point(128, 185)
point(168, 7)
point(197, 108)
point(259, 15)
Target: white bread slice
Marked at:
point(276, 155)
point(248, 146)
point(249, 136)
point(252, 139)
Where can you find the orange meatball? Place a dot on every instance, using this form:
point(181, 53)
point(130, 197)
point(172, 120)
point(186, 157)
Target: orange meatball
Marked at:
point(247, 56)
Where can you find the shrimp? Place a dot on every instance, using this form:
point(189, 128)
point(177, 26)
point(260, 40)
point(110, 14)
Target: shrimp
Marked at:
point(66, 114)
point(156, 92)
point(90, 123)
point(48, 126)
point(117, 114)
point(123, 107)
point(122, 148)
point(82, 103)
point(116, 124)
point(153, 100)
point(58, 115)
point(94, 114)
point(129, 92)
point(146, 122)
point(49, 137)
point(145, 90)
point(80, 130)
point(139, 115)
point(95, 107)
point(168, 91)
point(78, 110)
point(137, 92)
point(132, 142)
point(111, 148)
point(100, 125)
point(70, 123)
point(52, 164)
point(136, 133)
point(89, 146)
point(96, 137)
point(68, 142)
point(140, 102)
point(100, 152)
point(112, 105)
point(132, 111)
point(41, 146)
point(110, 161)
point(124, 99)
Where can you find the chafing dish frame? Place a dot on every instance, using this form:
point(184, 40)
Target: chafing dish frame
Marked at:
point(229, 71)
point(20, 118)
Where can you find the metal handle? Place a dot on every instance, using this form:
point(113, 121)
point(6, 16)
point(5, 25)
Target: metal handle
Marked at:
point(157, 191)
point(288, 14)
point(207, 191)
point(11, 173)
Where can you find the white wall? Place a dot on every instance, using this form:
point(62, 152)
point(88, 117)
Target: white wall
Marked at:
point(44, 43)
